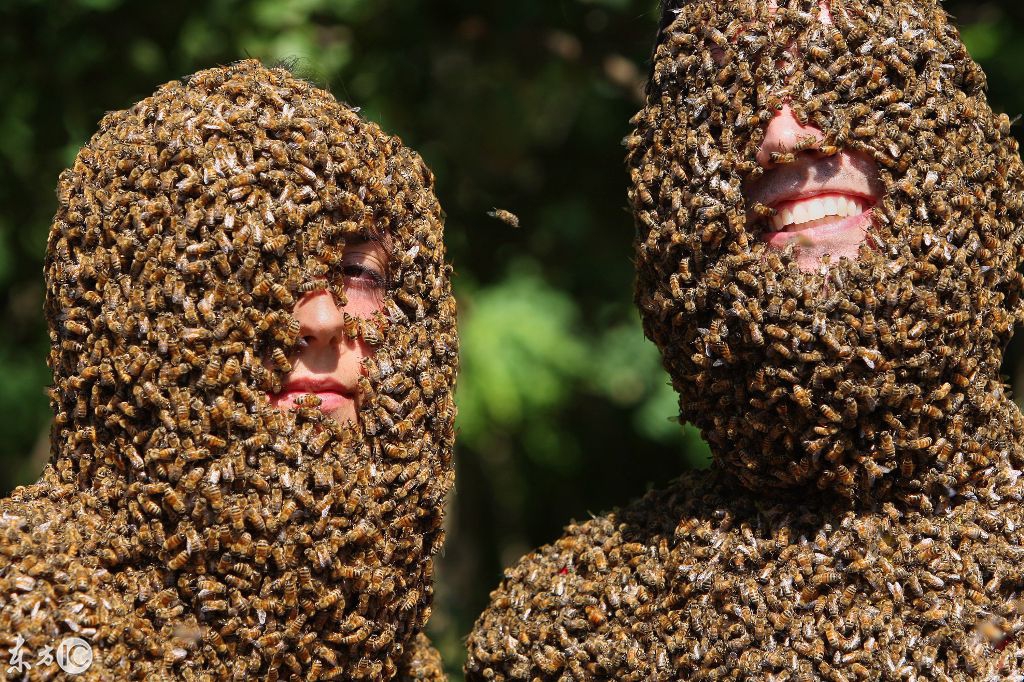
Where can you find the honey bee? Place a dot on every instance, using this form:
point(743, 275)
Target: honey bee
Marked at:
point(802, 396)
point(178, 561)
point(504, 216)
point(887, 445)
point(782, 158)
point(76, 328)
point(173, 501)
point(308, 400)
point(330, 599)
point(261, 552)
point(214, 495)
point(281, 361)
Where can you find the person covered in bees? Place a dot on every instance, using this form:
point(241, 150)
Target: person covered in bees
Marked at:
point(254, 353)
point(829, 231)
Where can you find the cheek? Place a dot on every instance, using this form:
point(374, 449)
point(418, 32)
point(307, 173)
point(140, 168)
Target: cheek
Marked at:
point(362, 300)
point(360, 352)
point(362, 305)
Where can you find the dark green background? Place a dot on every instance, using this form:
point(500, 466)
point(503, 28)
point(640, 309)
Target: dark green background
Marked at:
point(522, 105)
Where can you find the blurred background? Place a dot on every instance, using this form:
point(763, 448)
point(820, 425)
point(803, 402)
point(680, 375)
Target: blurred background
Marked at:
point(563, 407)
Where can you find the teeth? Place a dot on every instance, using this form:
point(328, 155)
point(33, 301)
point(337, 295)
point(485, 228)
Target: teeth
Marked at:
point(808, 210)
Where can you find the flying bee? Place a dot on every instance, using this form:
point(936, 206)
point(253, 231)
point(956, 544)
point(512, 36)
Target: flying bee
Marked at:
point(507, 217)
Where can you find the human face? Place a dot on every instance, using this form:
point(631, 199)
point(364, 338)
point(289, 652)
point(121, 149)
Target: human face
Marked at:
point(822, 203)
point(329, 363)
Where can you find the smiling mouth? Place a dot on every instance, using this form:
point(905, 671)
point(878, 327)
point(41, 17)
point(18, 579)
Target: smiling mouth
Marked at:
point(815, 212)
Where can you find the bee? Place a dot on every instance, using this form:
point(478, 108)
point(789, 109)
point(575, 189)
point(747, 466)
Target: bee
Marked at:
point(173, 501)
point(236, 515)
point(261, 552)
point(277, 245)
point(829, 413)
point(148, 506)
point(919, 443)
point(391, 405)
point(844, 476)
point(507, 217)
point(178, 561)
point(802, 396)
point(308, 400)
point(887, 445)
point(330, 599)
point(317, 443)
point(281, 361)
point(214, 495)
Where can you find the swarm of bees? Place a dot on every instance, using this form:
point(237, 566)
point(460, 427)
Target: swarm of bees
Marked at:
point(862, 518)
point(184, 527)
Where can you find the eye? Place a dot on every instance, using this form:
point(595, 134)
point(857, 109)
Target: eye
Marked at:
point(363, 276)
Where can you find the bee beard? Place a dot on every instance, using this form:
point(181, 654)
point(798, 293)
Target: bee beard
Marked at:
point(321, 519)
point(852, 382)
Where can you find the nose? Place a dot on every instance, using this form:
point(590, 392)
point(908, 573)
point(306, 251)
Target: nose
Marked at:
point(321, 321)
point(782, 135)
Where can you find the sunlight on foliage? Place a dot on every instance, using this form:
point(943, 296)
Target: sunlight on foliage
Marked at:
point(519, 354)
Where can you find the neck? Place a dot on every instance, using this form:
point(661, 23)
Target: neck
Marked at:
point(912, 454)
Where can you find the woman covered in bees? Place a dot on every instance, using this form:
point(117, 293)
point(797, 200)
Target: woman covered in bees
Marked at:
point(236, 491)
point(829, 229)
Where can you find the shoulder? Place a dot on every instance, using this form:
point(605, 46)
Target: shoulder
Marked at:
point(561, 608)
point(54, 589)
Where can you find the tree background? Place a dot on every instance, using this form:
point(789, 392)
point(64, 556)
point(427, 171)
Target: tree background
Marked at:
point(563, 407)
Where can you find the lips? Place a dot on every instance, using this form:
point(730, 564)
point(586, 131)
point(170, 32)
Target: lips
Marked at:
point(331, 393)
point(835, 235)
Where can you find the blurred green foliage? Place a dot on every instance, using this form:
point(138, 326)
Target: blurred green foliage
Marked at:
point(564, 409)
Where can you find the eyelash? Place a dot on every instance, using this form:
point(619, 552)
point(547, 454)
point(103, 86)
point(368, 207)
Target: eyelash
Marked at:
point(362, 277)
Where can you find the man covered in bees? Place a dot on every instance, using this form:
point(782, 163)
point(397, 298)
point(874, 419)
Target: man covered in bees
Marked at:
point(254, 352)
point(829, 231)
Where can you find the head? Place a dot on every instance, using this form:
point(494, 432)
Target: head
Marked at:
point(237, 235)
point(828, 218)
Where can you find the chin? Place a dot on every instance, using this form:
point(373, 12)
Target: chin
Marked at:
point(343, 416)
